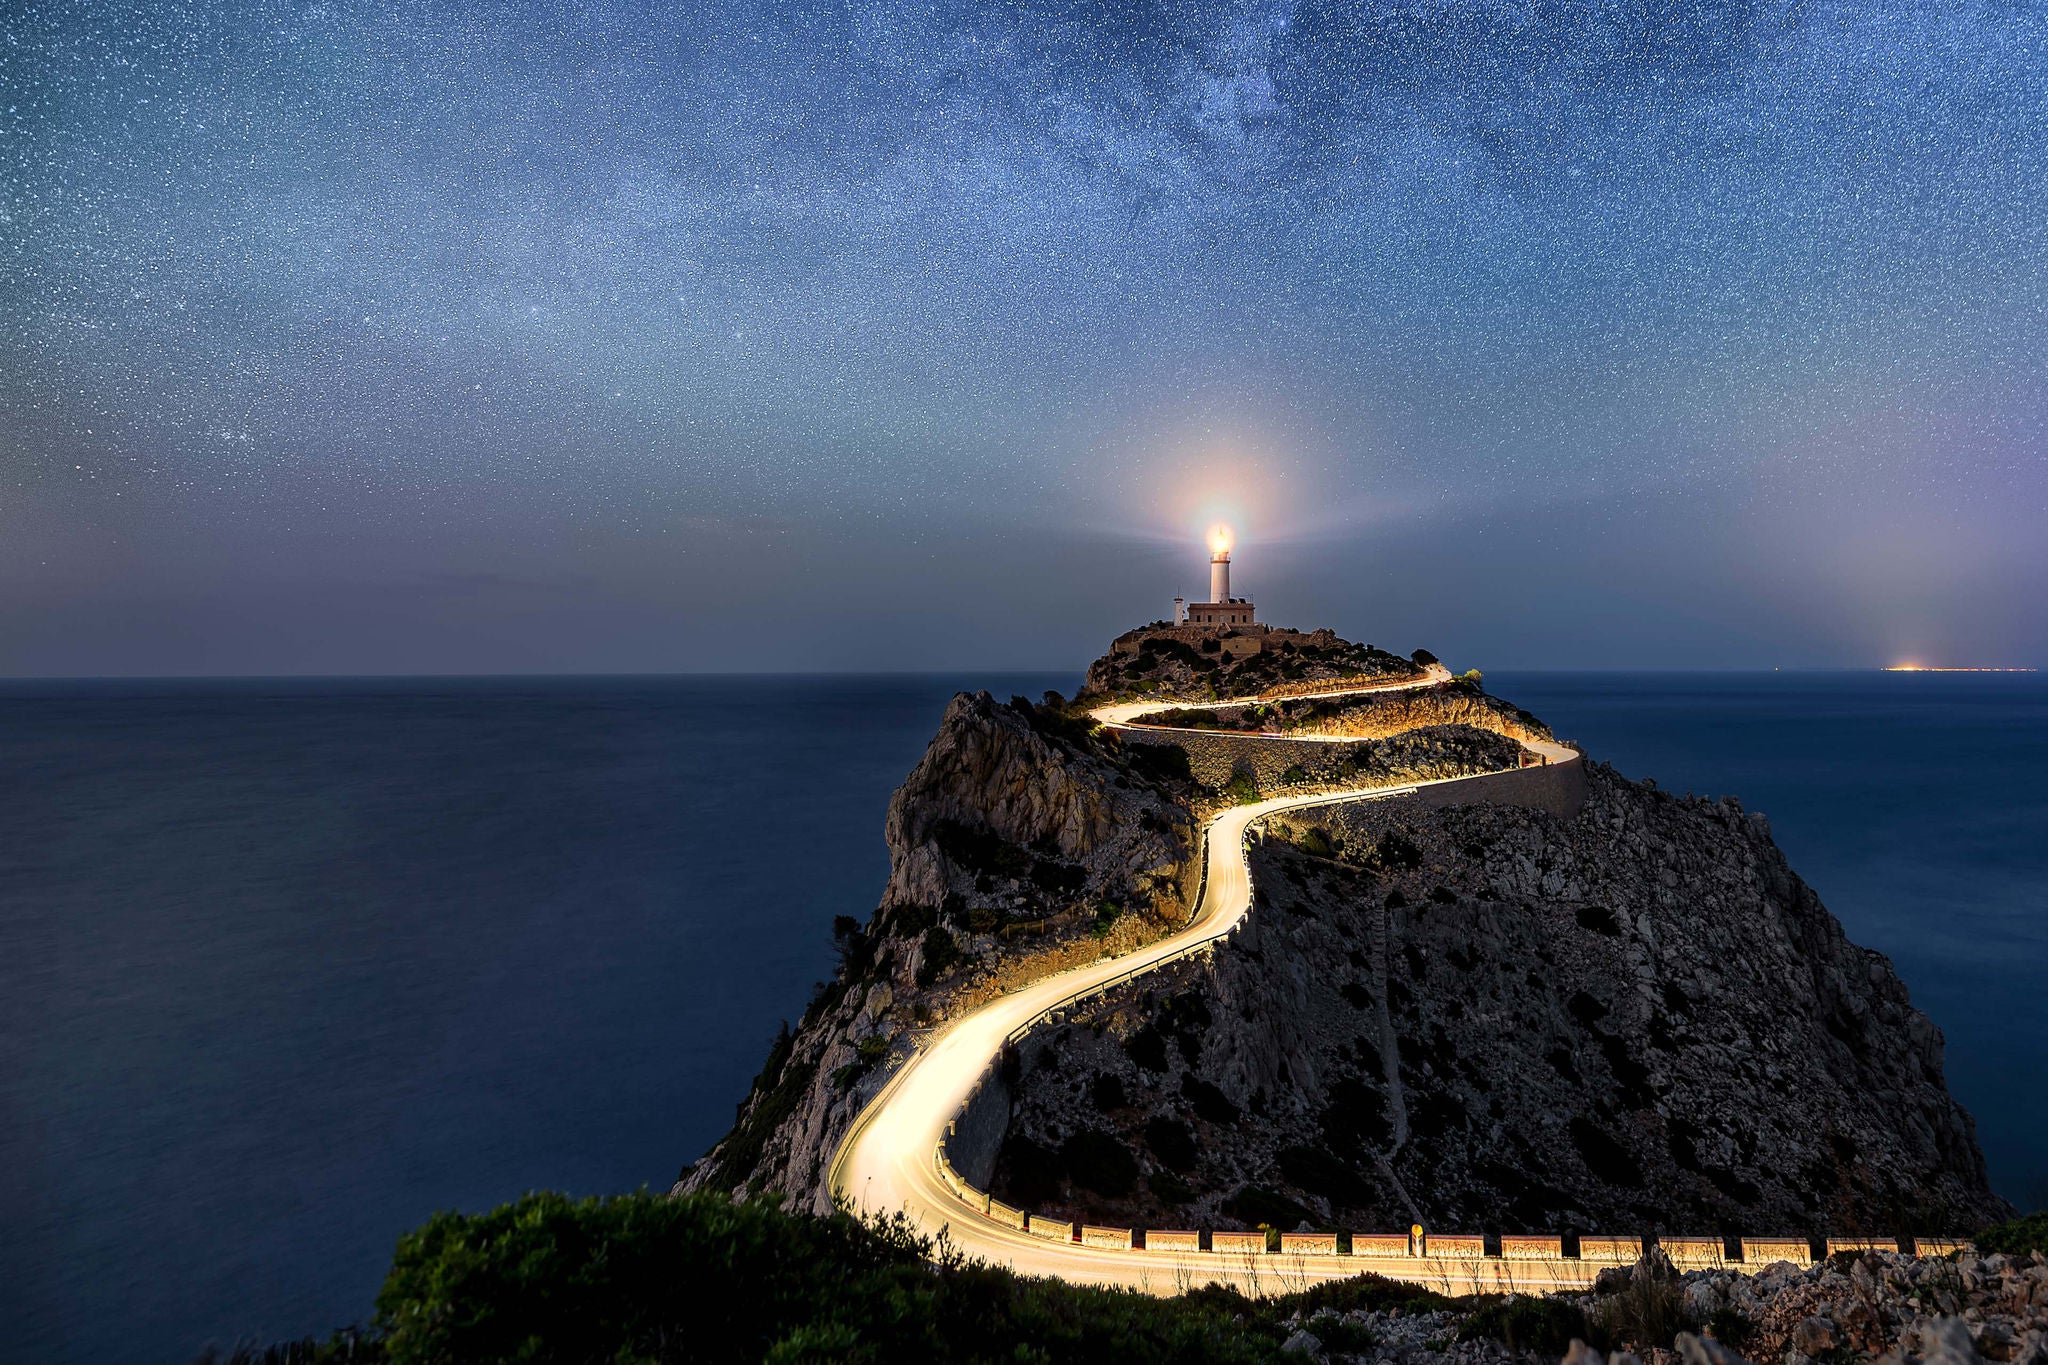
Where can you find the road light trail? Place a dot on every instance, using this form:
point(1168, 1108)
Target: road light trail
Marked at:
point(888, 1159)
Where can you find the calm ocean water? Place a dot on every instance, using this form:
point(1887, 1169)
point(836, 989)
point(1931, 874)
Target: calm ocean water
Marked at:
point(286, 966)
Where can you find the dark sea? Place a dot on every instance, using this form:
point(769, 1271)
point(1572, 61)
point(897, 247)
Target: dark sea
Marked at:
point(287, 966)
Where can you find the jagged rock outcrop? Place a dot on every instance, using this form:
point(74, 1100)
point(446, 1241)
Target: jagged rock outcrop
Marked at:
point(1023, 842)
point(1490, 1018)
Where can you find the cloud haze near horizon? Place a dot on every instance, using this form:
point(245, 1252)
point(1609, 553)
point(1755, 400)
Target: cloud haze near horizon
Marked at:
point(346, 338)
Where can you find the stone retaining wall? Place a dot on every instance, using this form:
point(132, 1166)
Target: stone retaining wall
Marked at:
point(1214, 757)
point(1694, 1253)
point(1611, 1250)
point(1513, 1248)
point(978, 1131)
point(1764, 1250)
point(1559, 788)
point(1439, 1246)
point(1686, 1253)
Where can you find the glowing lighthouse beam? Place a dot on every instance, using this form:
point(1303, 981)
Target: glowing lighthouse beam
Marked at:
point(1219, 563)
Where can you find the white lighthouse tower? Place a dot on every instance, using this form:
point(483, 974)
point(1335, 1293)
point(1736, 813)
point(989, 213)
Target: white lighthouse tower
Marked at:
point(1221, 609)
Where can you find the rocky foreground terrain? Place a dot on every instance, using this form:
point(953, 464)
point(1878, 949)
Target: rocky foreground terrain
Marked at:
point(1869, 1306)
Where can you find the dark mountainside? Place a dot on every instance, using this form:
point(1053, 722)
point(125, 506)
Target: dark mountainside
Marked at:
point(1487, 1018)
point(1478, 1017)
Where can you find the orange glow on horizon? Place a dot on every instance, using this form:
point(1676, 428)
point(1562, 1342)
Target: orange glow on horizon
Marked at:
point(1931, 668)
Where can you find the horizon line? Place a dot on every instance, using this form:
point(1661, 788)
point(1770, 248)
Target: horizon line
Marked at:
point(973, 671)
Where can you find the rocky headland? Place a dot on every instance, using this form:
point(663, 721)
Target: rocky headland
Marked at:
point(1619, 1013)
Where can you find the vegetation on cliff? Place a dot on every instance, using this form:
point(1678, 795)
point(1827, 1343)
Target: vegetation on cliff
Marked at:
point(1027, 839)
point(1178, 663)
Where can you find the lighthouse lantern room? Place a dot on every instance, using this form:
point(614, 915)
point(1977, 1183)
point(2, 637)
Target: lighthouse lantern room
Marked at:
point(1221, 609)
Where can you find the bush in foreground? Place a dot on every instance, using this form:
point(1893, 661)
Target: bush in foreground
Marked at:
point(645, 1278)
point(2016, 1238)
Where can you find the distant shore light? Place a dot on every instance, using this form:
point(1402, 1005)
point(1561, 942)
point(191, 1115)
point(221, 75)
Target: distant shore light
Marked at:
point(1931, 668)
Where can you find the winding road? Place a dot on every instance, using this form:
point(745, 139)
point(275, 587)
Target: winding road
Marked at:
point(890, 1158)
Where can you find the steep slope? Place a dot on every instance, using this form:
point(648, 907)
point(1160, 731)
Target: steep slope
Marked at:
point(1491, 1018)
point(1020, 843)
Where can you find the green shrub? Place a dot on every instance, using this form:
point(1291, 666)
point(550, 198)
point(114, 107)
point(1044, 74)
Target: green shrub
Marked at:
point(1342, 1336)
point(763, 1113)
point(940, 953)
point(1524, 1324)
point(1646, 1315)
point(1316, 843)
point(641, 1278)
point(1106, 916)
point(1365, 1293)
point(2016, 1238)
point(1243, 786)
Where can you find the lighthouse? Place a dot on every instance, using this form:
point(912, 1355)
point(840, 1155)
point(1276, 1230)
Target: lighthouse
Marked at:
point(1221, 609)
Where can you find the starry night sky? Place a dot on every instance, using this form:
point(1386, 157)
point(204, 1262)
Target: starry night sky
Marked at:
point(494, 337)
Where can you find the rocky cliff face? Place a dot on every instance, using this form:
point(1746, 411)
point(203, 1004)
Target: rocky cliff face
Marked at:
point(1022, 843)
point(1488, 1018)
point(1026, 841)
